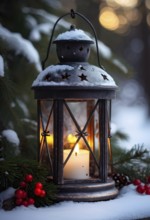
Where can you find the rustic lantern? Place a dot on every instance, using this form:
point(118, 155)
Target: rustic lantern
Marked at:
point(74, 103)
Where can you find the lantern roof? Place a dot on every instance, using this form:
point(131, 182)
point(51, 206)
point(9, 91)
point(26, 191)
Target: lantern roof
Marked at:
point(73, 35)
point(74, 74)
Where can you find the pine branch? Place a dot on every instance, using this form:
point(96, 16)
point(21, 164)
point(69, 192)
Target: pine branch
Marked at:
point(137, 152)
point(135, 163)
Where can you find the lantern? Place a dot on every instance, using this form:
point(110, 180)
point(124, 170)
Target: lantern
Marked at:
point(74, 103)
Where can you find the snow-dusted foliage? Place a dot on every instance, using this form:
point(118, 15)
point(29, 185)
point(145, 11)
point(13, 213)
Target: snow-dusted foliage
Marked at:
point(12, 137)
point(21, 46)
point(1, 66)
point(45, 27)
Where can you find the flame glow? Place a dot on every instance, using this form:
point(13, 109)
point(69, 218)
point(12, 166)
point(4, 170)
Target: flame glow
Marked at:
point(71, 138)
point(76, 150)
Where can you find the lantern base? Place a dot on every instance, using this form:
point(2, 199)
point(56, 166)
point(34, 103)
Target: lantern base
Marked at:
point(87, 192)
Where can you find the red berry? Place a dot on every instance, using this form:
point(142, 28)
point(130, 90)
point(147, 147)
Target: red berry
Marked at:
point(37, 191)
point(39, 185)
point(18, 202)
point(24, 195)
point(140, 189)
point(147, 191)
point(31, 201)
point(137, 182)
point(23, 184)
point(19, 194)
point(25, 203)
point(28, 178)
point(43, 193)
point(146, 186)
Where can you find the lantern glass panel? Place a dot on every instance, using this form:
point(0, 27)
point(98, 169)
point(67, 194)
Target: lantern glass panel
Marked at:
point(46, 135)
point(81, 139)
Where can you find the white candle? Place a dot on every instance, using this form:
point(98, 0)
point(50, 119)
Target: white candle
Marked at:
point(77, 167)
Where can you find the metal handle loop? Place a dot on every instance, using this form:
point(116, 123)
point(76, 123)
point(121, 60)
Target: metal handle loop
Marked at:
point(72, 14)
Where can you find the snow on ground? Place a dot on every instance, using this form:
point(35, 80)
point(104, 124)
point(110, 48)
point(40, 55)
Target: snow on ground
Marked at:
point(129, 205)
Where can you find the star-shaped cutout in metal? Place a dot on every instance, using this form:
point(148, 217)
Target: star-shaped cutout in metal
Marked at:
point(82, 68)
point(104, 77)
point(48, 77)
point(83, 77)
point(65, 76)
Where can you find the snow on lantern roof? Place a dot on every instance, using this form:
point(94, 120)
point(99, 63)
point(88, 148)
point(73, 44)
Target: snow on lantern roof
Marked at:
point(73, 35)
point(74, 75)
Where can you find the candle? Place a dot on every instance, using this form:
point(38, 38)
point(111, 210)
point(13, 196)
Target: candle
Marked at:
point(77, 167)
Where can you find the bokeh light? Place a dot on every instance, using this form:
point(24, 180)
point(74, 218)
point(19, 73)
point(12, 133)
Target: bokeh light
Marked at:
point(127, 3)
point(120, 15)
point(108, 19)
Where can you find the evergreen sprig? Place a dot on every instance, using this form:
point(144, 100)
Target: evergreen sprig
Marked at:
point(13, 171)
point(134, 163)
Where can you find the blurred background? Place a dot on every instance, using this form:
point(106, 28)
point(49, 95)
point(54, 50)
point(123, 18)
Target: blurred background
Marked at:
point(123, 30)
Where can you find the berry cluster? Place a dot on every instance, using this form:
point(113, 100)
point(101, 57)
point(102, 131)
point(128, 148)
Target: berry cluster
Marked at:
point(142, 188)
point(23, 194)
point(38, 190)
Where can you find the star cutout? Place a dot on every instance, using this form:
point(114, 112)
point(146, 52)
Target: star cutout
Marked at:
point(65, 76)
point(82, 68)
point(104, 77)
point(48, 77)
point(83, 77)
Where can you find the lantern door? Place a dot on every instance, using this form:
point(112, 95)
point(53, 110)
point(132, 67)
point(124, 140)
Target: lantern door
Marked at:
point(74, 139)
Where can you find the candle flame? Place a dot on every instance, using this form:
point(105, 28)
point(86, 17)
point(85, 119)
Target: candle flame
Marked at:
point(76, 150)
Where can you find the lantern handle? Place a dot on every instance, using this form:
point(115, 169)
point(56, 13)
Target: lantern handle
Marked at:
point(72, 14)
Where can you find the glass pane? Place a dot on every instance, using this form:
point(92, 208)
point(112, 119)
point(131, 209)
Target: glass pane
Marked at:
point(80, 152)
point(46, 133)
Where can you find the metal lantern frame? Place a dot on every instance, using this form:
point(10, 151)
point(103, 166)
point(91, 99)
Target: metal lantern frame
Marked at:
point(57, 98)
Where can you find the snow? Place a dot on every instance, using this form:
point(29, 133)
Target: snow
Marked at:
point(132, 121)
point(7, 194)
point(75, 34)
point(129, 205)
point(104, 50)
point(35, 34)
point(130, 114)
point(1, 66)
point(120, 65)
point(21, 46)
point(54, 4)
point(44, 27)
point(11, 136)
point(23, 107)
point(54, 71)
